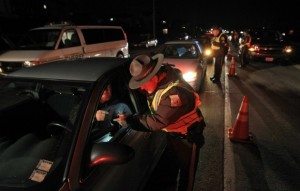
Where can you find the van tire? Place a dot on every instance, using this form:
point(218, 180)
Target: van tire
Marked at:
point(120, 55)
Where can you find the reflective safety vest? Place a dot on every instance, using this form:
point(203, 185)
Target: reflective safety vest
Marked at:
point(185, 121)
point(216, 39)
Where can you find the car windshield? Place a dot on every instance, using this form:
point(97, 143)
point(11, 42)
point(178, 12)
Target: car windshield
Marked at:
point(181, 51)
point(38, 124)
point(44, 39)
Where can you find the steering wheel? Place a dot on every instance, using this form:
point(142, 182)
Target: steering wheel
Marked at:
point(56, 128)
point(29, 93)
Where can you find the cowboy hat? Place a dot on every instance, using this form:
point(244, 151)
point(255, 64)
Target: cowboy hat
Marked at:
point(143, 68)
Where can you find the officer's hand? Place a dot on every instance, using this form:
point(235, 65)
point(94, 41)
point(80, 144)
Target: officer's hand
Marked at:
point(121, 120)
point(100, 115)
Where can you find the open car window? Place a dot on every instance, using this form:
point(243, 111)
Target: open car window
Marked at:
point(114, 99)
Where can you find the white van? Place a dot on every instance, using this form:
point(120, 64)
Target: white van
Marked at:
point(57, 42)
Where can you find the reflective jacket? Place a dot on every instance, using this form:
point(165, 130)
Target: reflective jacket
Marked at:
point(173, 107)
point(219, 44)
point(181, 124)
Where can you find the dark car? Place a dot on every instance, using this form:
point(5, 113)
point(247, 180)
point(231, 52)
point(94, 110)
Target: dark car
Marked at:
point(268, 46)
point(47, 113)
point(5, 43)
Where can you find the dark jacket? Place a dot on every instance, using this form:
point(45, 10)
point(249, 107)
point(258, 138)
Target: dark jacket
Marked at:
point(221, 43)
point(167, 113)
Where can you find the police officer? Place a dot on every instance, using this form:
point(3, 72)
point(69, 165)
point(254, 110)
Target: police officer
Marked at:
point(174, 109)
point(245, 45)
point(219, 47)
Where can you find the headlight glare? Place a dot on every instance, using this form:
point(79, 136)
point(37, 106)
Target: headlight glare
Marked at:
point(207, 52)
point(288, 49)
point(189, 76)
point(29, 63)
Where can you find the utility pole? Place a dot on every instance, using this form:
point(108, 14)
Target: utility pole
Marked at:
point(153, 19)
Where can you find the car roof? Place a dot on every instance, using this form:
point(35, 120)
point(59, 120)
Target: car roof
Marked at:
point(85, 69)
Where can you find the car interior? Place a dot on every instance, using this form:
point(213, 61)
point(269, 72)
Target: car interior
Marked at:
point(35, 123)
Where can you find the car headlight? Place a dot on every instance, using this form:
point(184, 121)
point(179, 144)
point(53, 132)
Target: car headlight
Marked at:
point(189, 76)
point(207, 52)
point(254, 48)
point(30, 63)
point(288, 49)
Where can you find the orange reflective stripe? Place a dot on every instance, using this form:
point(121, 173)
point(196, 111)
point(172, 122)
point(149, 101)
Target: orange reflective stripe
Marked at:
point(181, 125)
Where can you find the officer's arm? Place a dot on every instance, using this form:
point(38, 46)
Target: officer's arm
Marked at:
point(176, 103)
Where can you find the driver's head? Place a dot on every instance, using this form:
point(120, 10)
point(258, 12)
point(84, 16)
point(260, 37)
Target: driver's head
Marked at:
point(106, 95)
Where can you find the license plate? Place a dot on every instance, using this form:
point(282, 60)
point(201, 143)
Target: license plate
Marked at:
point(269, 59)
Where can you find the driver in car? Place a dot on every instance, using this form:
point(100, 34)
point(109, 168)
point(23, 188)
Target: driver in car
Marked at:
point(108, 109)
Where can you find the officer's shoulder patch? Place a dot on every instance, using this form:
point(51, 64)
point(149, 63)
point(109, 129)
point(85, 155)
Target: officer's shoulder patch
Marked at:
point(175, 100)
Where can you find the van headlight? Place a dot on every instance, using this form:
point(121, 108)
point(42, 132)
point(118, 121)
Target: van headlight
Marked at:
point(189, 76)
point(288, 49)
point(29, 63)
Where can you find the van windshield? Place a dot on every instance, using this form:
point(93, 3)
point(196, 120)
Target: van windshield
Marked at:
point(39, 39)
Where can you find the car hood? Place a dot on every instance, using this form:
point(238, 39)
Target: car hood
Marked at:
point(22, 55)
point(184, 65)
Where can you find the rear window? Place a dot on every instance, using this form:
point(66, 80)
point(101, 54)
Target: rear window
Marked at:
point(93, 36)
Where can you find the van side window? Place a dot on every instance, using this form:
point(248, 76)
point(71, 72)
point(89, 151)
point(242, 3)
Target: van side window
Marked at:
point(69, 38)
point(93, 36)
point(113, 34)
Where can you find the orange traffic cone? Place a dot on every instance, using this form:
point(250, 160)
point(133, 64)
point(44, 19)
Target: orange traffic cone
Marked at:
point(232, 67)
point(240, 130)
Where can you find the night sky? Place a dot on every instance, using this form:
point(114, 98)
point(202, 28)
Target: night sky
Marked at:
point(226, 13)
point(209, 12)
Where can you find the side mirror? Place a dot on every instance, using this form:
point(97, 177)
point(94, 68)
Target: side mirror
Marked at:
point(110, 153)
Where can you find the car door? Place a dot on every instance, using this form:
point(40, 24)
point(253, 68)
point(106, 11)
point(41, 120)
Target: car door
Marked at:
point(95, 44)
point(148, 148)
point(69, 46)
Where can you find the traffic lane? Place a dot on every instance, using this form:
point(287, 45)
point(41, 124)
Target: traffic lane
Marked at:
point(243, 166)
point(273, 107)
point(135, 51)
point(209, 175)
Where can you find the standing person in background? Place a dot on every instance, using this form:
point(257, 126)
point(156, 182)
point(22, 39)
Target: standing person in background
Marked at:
point(174, 109)
point(234, 46)
point(219, 47)
point(245, 45)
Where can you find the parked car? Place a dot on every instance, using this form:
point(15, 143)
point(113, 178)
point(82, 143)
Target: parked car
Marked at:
point(205, 40)
point(268, 46)
point(148, 43)
point(187, 56)
point(47, 113)
point(57, 42)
